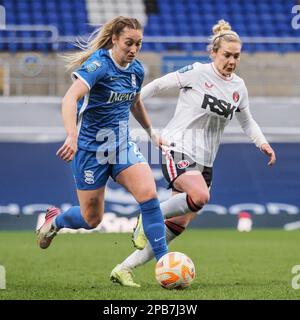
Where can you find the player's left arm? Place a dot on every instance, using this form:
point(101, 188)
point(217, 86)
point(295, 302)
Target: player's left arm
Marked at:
point(140, 114)
point(251, 128)
point(253, 131)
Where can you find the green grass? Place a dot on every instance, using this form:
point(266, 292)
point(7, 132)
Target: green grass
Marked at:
point(229, 265)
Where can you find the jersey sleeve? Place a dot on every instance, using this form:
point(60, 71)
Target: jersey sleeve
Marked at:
point(90, 72)
point(247, 123)
point(244, 104)
point(188, 75)
point(140, 78)
point(158, 85)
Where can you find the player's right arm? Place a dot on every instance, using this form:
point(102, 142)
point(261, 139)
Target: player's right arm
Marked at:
point(156, 86)
point(184, 77)
point(69, 114)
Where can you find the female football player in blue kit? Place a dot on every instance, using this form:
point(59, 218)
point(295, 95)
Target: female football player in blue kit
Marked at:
point(95, 112)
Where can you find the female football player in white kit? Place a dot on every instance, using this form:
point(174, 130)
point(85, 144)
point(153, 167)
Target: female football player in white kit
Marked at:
point(210, 95)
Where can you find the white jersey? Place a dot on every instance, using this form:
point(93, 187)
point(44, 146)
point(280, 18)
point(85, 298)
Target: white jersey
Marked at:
point(207, 103)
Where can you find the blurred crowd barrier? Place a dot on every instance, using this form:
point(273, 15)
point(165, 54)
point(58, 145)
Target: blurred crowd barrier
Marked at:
point(32, 73)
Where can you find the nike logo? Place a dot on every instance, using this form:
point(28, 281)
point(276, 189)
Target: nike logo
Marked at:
point(113, 78)
point(156, 240)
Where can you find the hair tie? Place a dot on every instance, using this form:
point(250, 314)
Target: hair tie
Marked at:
point(224, 34)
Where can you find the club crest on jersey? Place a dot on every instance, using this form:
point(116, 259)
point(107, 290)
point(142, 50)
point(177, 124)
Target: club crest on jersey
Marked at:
point(133, 80)
point(89, 177)
point(93, 66)
point(208, 85)
point(183, 164)
point(236, 96)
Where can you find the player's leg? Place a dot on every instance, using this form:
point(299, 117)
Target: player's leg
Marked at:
point(190, 180)
point(174, 226)
point(196, 185)
point(140, 257)
point(139, 181)
point(90, 181)
point(87, 216)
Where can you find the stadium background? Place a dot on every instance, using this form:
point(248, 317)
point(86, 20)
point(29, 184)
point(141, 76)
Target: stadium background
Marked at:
point(33, 80)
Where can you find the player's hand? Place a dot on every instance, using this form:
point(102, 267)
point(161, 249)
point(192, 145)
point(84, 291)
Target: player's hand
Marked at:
point(67, 151)
point(266, 148)
point(158, 141)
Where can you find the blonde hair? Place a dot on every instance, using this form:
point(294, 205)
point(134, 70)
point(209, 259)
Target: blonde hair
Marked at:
point(222, 31)
point(101, 38)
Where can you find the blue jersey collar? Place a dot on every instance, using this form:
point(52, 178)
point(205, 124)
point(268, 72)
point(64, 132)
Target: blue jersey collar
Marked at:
point(115, 63)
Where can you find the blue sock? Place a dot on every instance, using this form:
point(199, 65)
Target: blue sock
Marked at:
point(154, 227)
point(72, 219)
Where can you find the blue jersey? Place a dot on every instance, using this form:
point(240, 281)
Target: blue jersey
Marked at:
point(103, 113)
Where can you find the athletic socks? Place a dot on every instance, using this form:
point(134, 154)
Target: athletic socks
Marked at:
point(154, 227)
point(140, 257)
point(178, 205)
point(174, 228)
point(191, 204)
point(72, 219)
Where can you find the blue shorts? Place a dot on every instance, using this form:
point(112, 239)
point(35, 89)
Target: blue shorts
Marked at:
point(91, 170)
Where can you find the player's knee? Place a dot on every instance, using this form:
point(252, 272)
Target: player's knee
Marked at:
point(146, 194)
point(200, 198)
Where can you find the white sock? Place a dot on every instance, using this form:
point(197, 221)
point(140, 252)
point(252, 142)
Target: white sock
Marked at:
point(140, 257)
point(175, 206)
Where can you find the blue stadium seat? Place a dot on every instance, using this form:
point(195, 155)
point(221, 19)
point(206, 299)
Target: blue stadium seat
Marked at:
point(22, 6)
point(13, 47)
point(37, 6)
point(158, 47)
point(192, 7)
point(249, 7)
point(208, 8)
point(147, 46)
point(24, 17)
point(200, 46)
point(70, 16)
point(27, 47)
point(179, 7)
point(267, 18)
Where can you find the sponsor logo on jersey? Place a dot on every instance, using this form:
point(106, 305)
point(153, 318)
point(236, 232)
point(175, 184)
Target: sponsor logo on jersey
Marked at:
point(186, 68)
point(183, 164)
point(133, 80)
point(236, 96)
point(93, 66)
point(89, 177)
point(208, 85)
point(120, 97)
point(217, 106)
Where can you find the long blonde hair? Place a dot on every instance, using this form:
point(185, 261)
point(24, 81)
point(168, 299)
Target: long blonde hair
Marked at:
point(222, 31)
point(101, 38)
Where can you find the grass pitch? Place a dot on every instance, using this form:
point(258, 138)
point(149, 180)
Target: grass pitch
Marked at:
point(229, 265)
